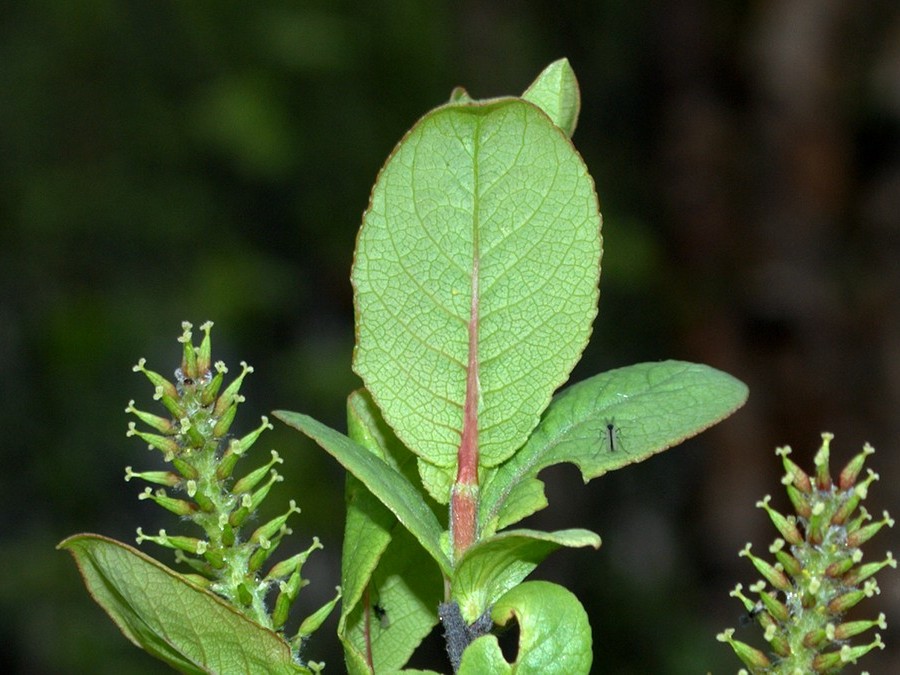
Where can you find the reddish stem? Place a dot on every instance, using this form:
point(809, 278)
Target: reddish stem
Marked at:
point(464, 499)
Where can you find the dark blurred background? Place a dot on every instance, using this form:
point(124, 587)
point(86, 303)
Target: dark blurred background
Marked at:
point(174, 161)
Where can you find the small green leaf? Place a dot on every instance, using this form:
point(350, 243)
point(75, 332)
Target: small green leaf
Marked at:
point(554, 634)
point(393, 586)
point(368, 530)
point(523, 499)
point(495, 565)
point(606, 422)
point(555, 91)
point(398, 610)
point(483, 229)
point(160, 611)
point(369, 524)
point(384, 481)
point(460, 95)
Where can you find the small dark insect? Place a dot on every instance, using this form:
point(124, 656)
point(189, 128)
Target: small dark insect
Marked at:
point(381, 613)
point(749, 617)
point(182, 381)
point(612, 436)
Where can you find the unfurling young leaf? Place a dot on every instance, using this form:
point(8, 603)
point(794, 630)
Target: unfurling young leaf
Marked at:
point(555, 91)
point(554, 634)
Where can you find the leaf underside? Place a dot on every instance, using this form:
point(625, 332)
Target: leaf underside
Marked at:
point(609, 421)
point(487, 199)
point(160, 611)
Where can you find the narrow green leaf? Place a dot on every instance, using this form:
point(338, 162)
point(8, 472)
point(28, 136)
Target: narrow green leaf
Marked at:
point(608, 421)
point(368, 530)
point(554, 634)
point(484, 219)
point(160, 611)
point(495, 565)
point(555, 91)
point(384, 481)
point(369, 524)
point(392, 586)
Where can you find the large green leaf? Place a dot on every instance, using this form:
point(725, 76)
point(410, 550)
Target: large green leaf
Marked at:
point(160, 611)
point(606, 422)
point(554, 634)
point(385, 482)
point(495, 565)
point(391, 585)
point(483, 229)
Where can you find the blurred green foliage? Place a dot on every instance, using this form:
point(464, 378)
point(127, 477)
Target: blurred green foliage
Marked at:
point(173, 161)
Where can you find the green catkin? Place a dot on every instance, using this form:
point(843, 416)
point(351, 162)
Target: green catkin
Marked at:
point(195, 440)
point(819, 578)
